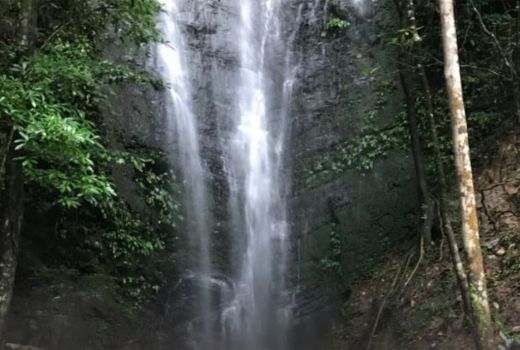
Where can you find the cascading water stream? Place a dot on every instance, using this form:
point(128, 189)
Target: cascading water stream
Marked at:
point(254, 315)
point(255, 319)
point(182, 131)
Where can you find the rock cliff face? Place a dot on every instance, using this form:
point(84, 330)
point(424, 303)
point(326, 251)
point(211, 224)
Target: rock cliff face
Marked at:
point(337, 71)
point(337, 86)
point(338, 93)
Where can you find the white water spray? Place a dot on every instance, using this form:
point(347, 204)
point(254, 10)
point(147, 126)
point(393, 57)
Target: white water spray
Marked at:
point(256, 310)
point(182, 131)
point(256, 318)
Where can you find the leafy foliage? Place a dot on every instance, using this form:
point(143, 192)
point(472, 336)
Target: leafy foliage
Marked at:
point(130, 239)
point(361, 152)
point(331, 263)
point(336, 23)
point(134, 242)
point(53, 79)
point(370, 144)
point(52, 100)
point(51, 95)
point(486, 103)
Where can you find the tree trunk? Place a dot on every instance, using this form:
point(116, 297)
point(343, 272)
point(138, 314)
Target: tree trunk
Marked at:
point(406, 68)
point(515, 62)
point(470, 231)
point(516, 99)
point(28, 23)
point(12, 185)
point(423, 190)
point(509, 59)
point(11, 211)
point(458, 266)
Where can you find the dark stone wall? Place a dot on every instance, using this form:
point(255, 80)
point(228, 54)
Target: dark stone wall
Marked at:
point(331, 100)
point(372, 211)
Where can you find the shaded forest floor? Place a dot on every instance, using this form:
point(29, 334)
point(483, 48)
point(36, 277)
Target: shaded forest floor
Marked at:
point(425, 311)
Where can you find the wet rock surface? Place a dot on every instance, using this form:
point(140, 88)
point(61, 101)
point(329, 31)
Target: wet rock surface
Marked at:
point(334, 97)
point(330, 101)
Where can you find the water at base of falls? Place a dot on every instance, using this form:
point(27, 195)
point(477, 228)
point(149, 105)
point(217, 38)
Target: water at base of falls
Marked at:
point(182, 130)
point(249, 309)
point(256, 319)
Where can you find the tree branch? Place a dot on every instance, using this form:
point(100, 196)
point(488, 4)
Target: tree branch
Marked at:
point(495, 40)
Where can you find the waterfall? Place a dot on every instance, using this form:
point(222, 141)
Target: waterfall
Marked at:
point(254, 319)
point(253, 311)
point(182, 132)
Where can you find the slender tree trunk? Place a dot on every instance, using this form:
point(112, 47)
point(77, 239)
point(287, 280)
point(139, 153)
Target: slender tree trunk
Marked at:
point(11, 211)
point(508, 59)
point(423, 190)
point(470, 231)
point(28, 23)
point(516, 98)
point(12, 186)
point(406, 68)
point(458, 266)
point(515, 62)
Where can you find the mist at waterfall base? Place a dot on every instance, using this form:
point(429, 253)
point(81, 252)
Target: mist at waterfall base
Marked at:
point(248, 307)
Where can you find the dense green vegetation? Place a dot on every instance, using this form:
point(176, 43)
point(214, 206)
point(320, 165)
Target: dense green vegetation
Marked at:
point(490, 52)
point(58, 74)
point(54, 76)
point(489, 49)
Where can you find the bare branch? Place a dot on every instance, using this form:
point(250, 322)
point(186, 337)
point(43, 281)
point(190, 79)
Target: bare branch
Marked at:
point(495, 40)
